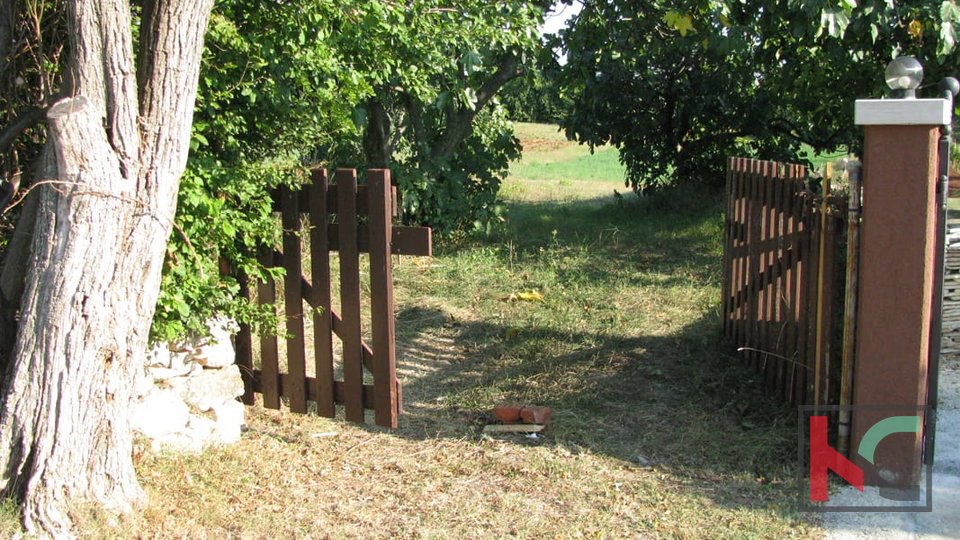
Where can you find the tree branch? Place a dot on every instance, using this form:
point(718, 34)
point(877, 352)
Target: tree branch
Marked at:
point(26, 120)
point(102, 42)
point(7, 15)
point(508, 70)
point(376, 139)
point(415, 114)
point(460, 120)
point(790, 129)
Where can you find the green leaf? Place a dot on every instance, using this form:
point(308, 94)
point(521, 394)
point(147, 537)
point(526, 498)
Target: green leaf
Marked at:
point(948, 40)
point(359, 116)
point(834, 21)
point(468, 98)
point(679, 22)
point(472, 62)
point(949, 11)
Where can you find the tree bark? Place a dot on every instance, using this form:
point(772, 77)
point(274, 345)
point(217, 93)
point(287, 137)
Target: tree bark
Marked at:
point(376, 139)
point(12, 280)
point(94, 271)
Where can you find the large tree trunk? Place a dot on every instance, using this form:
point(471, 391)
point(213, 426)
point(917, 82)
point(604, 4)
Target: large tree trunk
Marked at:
point(94, 270)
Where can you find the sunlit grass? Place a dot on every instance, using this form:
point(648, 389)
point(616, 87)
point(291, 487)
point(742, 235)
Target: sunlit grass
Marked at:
point(553, 168)
point(9, 518)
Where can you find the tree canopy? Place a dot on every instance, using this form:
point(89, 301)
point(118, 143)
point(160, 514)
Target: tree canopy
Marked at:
point(679, 85)
point(412, 86)
point(408, 86)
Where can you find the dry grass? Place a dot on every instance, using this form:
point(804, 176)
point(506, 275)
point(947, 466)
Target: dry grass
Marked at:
point(362, 483)
point(657, 431)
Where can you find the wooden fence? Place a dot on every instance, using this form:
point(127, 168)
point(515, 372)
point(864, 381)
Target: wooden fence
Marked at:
point(349, 219)
point(783, 278)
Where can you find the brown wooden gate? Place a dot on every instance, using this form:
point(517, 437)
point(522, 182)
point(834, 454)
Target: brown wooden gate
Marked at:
point(349, 219)
point(781, 267)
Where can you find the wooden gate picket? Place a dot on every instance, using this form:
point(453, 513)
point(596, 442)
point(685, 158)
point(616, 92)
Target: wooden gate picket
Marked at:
point(363, 224)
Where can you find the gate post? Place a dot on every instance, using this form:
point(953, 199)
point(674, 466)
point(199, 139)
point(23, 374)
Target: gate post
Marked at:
point(897, 277)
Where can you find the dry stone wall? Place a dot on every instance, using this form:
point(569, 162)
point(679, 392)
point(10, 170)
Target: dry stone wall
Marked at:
point(187, 392)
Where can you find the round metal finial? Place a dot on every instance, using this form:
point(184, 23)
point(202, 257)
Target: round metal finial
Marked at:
point(903, 76)
point(949, 84)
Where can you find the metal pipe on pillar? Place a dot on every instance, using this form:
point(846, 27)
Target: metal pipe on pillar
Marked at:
point(949, 88)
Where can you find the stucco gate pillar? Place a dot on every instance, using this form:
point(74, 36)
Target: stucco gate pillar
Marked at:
point(897, 278)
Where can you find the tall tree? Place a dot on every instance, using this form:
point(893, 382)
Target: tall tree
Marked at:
point(92, 254)
point(678, 85)
point(436, 69)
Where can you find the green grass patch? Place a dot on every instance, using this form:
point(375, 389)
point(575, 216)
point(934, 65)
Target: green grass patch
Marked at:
point(625, 346)
point(601, 166)
point(9, 518)
point(553, 168)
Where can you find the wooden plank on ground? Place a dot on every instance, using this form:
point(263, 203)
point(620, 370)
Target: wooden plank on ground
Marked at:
point(381, 300)
point(319, 295)
point(513, 428)
point(350, 294)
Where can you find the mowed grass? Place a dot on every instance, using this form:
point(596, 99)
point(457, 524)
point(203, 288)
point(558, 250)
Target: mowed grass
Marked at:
point(553, 168)
point(657, 430)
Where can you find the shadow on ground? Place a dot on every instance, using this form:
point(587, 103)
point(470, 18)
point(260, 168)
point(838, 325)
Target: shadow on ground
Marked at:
point(675, 400)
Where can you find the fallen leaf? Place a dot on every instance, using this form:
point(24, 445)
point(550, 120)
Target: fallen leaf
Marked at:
point(530, 296)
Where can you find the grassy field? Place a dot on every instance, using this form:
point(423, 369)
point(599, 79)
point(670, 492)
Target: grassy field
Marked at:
point(552, 168)
point(657, 430)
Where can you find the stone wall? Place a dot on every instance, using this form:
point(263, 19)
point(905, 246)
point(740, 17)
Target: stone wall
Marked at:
point(186, 394)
